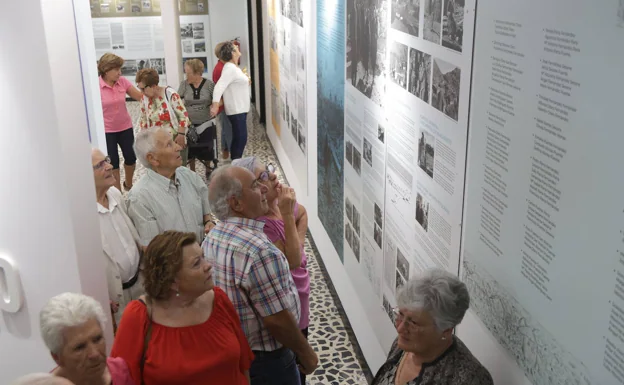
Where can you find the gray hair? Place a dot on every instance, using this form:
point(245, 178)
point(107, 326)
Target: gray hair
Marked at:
point(41, 379)
point(223, 185)
point(250, 163)
point(144, 143)
point(439, 293)
point(67, 310)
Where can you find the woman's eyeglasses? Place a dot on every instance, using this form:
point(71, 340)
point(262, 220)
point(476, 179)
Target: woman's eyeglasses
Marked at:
point(264, 175)
point(102, 163)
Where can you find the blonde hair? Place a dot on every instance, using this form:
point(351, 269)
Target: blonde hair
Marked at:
point(196, 65)
point(109, 61)
point(218, 49)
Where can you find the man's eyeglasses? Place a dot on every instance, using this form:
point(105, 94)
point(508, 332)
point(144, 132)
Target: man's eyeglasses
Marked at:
point(264, 175)
point(102, 163)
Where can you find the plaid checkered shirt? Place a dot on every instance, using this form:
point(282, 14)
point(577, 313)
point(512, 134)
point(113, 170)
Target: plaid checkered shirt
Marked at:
point(254, 274)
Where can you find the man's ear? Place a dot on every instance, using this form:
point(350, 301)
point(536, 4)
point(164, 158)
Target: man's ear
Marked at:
point(151, 159)
point(236, 204)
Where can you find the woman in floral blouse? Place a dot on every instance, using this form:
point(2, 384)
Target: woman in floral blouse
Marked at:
point(162, 107)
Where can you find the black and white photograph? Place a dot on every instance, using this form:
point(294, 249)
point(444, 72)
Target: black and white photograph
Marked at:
point(445, 88)
point(377, 234)
point(432, 28)
point(273, 34)
point(198, 26)
point(400, 281)
point(356, 221)
point(287, 111)
point(186, 31)
point(301, 138)
point(293, 10)
point(293, 126)
point(349, 235)
point(129, 68)
point(366, 47)
point(381, 132)
point(198, 34)
point(356, 246)
point(419, 74)
point(200, 7)
point(349, 209)
point(349, 153)
point(200, 46)
point(274, 103)
point(187, 46)
point(136, 8)
point(120, 8)
point(146, 5)
point(368, 152)
point(158, 65)
point(378, 216)
point(422, 212)
point(398, 64)
point(453, 24)
point(357, 161)
point(388, 308)
point(620, 13)
point(405, 16)
point(105, 8)
point(403, 265)
point(426, 152)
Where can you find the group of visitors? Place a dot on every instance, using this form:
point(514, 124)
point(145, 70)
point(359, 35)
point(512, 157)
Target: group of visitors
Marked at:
point(209, 283)
point(225, 98)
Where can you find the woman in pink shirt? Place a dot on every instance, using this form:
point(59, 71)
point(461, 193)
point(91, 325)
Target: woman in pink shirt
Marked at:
point(117, 121)
point(286, 225)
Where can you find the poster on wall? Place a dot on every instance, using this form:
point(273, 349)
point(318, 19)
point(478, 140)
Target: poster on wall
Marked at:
point(135, 8)
point(287, 37)
point(544, 244)
point(138, 37)
point(330, 118)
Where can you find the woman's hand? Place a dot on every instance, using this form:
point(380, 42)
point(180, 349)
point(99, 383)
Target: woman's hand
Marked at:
point(286, 201)
point(214, 109)
point(180, 140)
point(114, 306)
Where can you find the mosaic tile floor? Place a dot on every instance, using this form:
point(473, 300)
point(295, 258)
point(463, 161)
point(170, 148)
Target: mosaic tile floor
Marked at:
point(340, 359)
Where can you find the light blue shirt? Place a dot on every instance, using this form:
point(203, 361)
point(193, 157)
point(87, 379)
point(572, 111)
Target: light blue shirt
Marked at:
point(157, 204)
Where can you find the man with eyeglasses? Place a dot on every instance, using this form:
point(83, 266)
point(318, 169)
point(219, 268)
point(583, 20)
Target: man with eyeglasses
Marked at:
point(119, 238)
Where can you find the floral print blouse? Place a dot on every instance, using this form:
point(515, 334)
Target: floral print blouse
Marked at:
point(155, 113)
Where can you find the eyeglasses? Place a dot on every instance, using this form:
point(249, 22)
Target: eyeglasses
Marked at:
point(142, 89)
point(400, 317)
point(264, 175)
point(102, 163)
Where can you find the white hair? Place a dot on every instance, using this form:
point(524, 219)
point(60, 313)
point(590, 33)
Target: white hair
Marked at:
point(439, 293)
point(250, 163)
point(41, 379)
point(67, 310)
point(223, 185)
point(145, 142)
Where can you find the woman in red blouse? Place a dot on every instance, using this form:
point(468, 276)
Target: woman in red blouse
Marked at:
point(185, 331)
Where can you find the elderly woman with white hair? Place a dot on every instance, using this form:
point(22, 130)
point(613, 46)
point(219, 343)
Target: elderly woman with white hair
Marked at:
point(72, 327)
point(426, 352)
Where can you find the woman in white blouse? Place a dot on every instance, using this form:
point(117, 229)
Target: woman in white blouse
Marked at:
point(234, 87)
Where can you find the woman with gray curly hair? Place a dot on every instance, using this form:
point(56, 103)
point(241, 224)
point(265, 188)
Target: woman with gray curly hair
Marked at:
point(426, 352)
point(72, 327)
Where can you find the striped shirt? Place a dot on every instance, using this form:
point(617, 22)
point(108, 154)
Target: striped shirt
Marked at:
point(254, 274)
point(157, 204)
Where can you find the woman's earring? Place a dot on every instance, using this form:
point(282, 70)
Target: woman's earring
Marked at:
point(443, 338)
point(177, 293)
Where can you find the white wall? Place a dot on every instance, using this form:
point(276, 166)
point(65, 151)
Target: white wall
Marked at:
point(48, 223)
point(228, 20)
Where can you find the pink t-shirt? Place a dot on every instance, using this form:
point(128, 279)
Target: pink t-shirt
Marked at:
point(116, 116)
point(274, 230)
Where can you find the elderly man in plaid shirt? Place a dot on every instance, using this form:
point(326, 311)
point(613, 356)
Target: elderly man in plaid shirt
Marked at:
point(256, 277)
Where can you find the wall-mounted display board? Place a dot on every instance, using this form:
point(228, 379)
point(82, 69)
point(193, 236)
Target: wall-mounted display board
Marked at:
point(287, 37)
point(544, 224)
point(133, 30)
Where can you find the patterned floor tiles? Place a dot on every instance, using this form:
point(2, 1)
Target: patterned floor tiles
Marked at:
point(341, 361)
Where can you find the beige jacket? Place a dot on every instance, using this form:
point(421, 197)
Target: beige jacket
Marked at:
point(113, 278)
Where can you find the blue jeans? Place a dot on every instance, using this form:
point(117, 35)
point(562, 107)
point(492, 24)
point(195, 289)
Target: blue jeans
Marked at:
point(239, 135)
point(226, 131)
point(274, 368)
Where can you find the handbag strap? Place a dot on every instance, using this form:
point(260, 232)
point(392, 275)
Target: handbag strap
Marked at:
point(174, 118)
point(146, 337)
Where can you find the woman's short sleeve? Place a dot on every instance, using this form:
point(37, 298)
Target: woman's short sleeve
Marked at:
point(129, 340)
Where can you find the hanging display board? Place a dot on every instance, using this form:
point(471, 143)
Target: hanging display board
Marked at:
point(544, 244)
point(133, 30)
point(287, 38)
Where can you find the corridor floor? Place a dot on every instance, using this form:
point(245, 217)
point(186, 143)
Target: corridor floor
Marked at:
point(340, 359)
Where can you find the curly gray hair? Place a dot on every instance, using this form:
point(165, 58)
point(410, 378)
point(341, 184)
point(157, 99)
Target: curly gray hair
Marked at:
point(67, 310)
point(439, 293)
point(223, 185)
point(145, 142)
